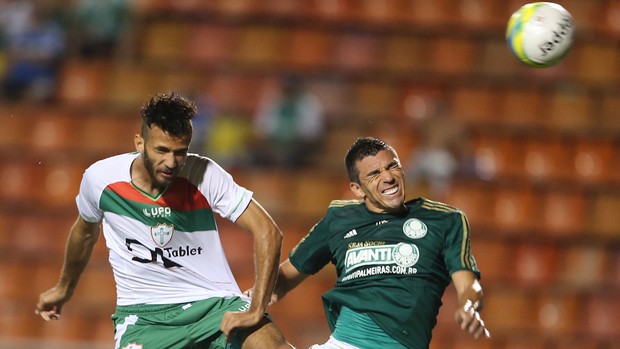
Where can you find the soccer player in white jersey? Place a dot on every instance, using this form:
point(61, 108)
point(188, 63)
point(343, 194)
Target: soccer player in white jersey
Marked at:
point(156, 209)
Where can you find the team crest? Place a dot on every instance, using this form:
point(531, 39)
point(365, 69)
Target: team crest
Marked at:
point(162, 234)
point(406, 255)
point(133, 346)
point(415, 228)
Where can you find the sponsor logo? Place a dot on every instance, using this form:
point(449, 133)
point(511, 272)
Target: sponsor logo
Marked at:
point(350, 234)
point(133, 346)
point(162, 234)
point(415, 228)
point(402, 254)
point(381, 222)
point(158, 211)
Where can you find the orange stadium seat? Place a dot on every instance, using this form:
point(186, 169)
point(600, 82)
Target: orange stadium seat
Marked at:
point(564, 213)
point(593, 159)
point(443, 51)
point(601, 316)
point(604, 219)
point(210, 44)
point(535, 264)
point(571, 109)
point(509, 310)
point(515, 211)
point(493, 257)
point(475, 104)
point(606, 57)
point(355, 52)
point(560, 313)
point(405, 54)
point(522, 108)
point(373, 100)
point(583, 266)
point(165, 41)
point(609, 107)
point(259, 46)
point(308, 49)
point(83, 82)
point(547, 159)
point(15, 126)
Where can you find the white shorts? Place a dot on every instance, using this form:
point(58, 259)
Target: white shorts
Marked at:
point(333, 343)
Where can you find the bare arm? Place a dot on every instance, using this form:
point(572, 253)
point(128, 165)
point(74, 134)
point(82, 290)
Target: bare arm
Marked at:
point(469, 294)
point(267, 245)
point(82, 239)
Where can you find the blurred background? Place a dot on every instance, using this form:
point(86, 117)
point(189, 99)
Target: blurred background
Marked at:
point(284, 87)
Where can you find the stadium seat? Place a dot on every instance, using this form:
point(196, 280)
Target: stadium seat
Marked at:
point(475, 105)
point(259, 46)
point(210, 44)
point(535, 264)
point(84, 82)
point(564, 213)
point(355, 52)
point(165, 41)
point(606, 57)
point(583, 266)
point(570, 110)
point(405, 54)
point(560, 312)
point(547, 159)
point(601, 316)
point(515, 211)
point(604, 218)
point(308, 49)
point(444, 49)
point(522, 108)
point(593, 159)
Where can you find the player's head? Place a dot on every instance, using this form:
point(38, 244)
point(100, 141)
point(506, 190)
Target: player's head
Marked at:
point(171, 112)
point(165, 135)
point(376, 175)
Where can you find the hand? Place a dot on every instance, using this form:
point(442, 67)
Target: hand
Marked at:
point(50, 304)
point(273, 300)
point(469, 319)
point(238, 320)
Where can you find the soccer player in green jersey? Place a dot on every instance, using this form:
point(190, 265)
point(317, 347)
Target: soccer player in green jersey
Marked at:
point(156, 207)
point(394, 259)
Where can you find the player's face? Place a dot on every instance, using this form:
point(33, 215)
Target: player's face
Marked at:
point(382, 182)
point(163, 155)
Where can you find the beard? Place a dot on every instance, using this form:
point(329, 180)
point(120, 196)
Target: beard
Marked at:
point(150, 168)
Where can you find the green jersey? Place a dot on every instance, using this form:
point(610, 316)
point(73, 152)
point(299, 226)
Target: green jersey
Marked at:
point(393, 267)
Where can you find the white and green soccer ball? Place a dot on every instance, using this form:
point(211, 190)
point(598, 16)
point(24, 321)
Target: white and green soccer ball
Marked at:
point(540, 34)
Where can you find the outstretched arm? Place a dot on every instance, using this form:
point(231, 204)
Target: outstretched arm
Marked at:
point(82, 240)
point(267, 244)
point(469, 293)
point(288, 278)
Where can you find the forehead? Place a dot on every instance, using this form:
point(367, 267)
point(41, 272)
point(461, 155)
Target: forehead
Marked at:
point(158, 137)
point(379, 161)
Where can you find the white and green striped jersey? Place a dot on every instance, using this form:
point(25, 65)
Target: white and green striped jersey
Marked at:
point(164, 249)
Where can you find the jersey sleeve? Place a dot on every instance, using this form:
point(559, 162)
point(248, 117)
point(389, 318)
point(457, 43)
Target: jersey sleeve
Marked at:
point(457, 251)
point(312, 253)
point(226, 197)
point(88, 198)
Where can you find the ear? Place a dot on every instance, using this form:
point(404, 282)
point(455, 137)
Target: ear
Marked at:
point(357, 190)
point(139, 143)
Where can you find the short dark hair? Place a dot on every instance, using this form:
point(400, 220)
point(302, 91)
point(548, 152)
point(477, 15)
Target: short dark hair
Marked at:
point(361, 148)
point(171, 112)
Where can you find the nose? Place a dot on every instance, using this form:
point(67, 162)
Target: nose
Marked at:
point(171, 161)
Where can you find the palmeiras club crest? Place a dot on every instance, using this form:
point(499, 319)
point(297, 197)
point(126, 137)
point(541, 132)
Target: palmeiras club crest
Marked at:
point(162, 234)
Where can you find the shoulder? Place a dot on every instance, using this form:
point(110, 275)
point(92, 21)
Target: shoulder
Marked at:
point(118, 164)
point(437, 206)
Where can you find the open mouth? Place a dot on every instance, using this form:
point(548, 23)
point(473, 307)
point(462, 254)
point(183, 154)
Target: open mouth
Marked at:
point(391, 191)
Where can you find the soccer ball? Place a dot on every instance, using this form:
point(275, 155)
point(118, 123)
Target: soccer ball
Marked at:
point(540, 34)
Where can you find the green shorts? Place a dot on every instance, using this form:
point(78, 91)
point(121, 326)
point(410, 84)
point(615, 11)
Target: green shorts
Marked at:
point(194, 325)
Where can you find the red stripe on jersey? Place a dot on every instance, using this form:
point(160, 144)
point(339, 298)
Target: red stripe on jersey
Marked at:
point(180, 195)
